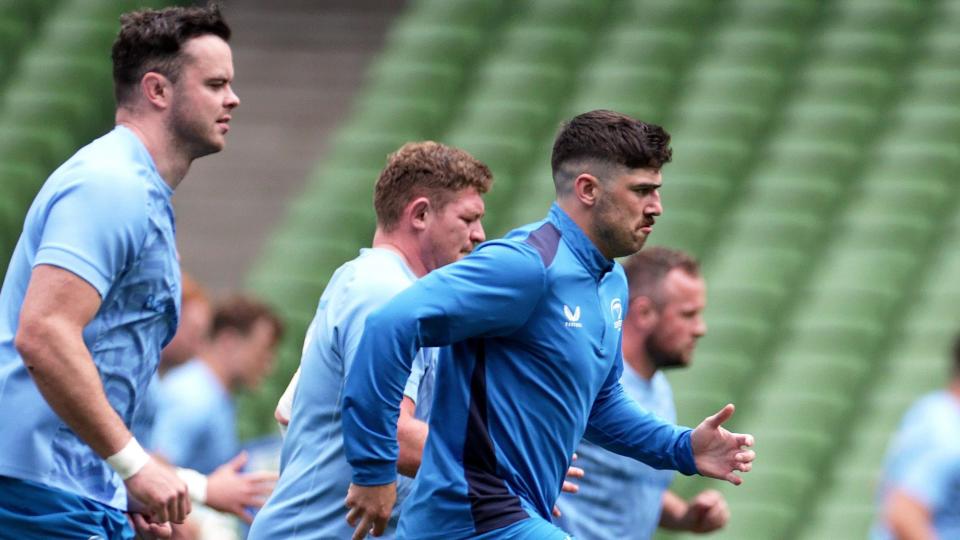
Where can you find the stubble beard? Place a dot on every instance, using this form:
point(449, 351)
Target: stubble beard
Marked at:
point(617, 239)
point(190, 135)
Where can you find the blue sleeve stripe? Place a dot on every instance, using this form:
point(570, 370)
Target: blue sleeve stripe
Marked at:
point(492, 505)
point(546, 240)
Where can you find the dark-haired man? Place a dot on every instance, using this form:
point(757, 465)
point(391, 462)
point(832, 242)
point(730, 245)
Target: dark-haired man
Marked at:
point(428, 203)
point(920, 490)
point(534, 323)
point(622, 498)
point(92, 292)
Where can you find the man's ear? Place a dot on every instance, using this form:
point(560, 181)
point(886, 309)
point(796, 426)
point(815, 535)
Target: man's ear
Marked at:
point(417, 211)
point(586, 188)
point(643, 314)
point(156, 90)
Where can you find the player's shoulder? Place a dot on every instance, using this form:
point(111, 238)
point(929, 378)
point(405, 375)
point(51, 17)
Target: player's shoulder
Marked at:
point(375, 273)
point(540, 237)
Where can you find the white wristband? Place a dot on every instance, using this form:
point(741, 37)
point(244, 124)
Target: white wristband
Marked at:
point(128, 461)
point(196, 484)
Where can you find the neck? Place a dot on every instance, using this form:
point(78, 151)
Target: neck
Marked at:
point(583, 218)
point(636, 357)
point(404, 245)
point(215, 361)
point(172, 162)
point(954, 387)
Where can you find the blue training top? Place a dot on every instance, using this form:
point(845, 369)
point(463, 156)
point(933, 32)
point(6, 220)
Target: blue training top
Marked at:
point(104, 215)
point(620, 497)
point(534, 322)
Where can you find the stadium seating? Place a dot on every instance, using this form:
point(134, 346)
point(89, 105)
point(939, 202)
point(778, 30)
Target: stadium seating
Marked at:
point(814, 175)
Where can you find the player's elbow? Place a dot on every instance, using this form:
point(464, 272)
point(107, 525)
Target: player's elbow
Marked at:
point(33, 342)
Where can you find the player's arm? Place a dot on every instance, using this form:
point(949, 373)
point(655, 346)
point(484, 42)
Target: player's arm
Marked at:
point(705, 513)
point(620, 425)
point(411, 438)
point(285, 405)
point(908, 517)
point(57, 307)
point(490, 292)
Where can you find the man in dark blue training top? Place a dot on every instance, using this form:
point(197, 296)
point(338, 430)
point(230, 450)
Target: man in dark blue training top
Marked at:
point(534, 327)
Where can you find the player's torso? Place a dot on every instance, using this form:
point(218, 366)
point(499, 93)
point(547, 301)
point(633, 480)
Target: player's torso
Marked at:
point(534, 389)
point(138, 315)
point(308, 500)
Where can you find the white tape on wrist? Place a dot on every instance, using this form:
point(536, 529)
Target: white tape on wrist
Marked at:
point(196, 484)
point(128, 461)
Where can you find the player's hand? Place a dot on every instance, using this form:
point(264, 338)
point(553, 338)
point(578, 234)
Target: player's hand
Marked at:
point(719, 453)
point(370, 508)
point(573, 473)
point(568, 486)
point(160, 493)
point(232, 491)
point(706, 512)
point(145, 530)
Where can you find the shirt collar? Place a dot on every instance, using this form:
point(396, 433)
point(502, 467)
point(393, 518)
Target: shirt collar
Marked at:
point(143, 156)
point(578, 242)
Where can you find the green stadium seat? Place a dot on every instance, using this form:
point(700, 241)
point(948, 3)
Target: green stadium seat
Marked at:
point(415, 80)
point(856, 85)
point(462, 12)
point(431, 43)
point(564, 13)
point(645, 48)
point(534, 43)
point(757, 87)
point(518, 81)
point(686, 14)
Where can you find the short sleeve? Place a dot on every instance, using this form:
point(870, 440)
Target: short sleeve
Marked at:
point(930, 476)
point(93, 227)
point(412, 389)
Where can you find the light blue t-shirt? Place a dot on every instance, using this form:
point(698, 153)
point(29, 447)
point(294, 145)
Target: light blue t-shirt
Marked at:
point(196, 425)
point(104, 215)
point(924, 461)
point(307, 502)
point(620, 497)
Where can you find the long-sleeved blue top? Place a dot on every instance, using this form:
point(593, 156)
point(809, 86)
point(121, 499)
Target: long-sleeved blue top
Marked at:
point(533, 322)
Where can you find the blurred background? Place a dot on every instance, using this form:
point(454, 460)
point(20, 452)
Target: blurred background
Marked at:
point(815, 163)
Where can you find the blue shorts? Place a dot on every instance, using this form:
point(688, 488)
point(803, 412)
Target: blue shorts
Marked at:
point(30, 510)
point(533, 528)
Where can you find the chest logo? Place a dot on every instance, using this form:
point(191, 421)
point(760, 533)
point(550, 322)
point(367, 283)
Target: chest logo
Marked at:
point(616, 310)
point(573, 317)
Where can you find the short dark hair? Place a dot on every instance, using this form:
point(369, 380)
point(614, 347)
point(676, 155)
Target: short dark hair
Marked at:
point(241, 313)
point(425, 169)
point(609, 137)
point(151, 40)
point(647, 269)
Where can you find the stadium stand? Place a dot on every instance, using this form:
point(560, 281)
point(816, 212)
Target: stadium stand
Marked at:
point(814, 174)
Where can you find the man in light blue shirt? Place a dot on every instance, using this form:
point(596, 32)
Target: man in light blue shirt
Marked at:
point(622, 498)
point(428, 205)
point(196, 420)
point(920, 490)
point(92, 291)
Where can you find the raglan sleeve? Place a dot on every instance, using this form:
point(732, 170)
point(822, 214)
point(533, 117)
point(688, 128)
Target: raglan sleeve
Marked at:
point(619, 424)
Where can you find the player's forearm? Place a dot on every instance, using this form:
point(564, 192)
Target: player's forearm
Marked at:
point(618, 424)
point(372, 396)
point(908, 518)
point(64, 372)
point(411, 436)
